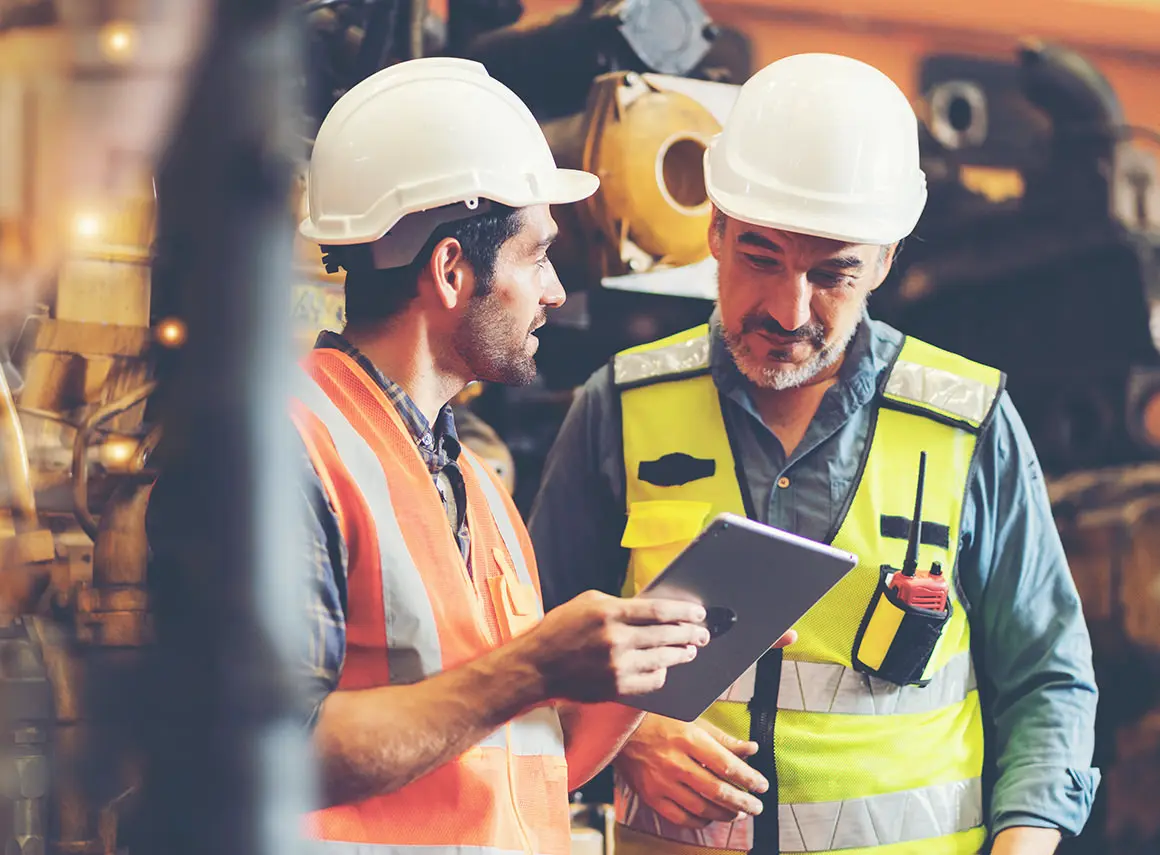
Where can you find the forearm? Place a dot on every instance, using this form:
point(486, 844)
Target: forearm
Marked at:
point(376, 741)
point(1030, 640)
point(1024, 840)
point(593, 736)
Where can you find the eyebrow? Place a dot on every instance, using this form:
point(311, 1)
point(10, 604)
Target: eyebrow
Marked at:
point(840, 262)
point(843, 262)
point(544, 243)
point(761, 241)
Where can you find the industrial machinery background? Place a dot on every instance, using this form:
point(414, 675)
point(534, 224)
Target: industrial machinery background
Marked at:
point(1035, 182)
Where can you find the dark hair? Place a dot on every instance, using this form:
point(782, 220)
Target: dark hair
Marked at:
point(378, 295)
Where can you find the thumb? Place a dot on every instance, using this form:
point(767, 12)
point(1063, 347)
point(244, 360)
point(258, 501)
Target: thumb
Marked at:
point(786, 640)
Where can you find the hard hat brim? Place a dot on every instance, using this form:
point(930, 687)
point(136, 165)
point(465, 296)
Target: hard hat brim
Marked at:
point(571, 185)
point(560, 187)
point(852, 230)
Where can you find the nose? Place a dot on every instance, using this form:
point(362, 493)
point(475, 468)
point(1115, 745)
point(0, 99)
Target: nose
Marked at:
point(554, 293)
point(789, 303)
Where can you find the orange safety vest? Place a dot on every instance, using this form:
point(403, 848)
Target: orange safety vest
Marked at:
point(413, 610)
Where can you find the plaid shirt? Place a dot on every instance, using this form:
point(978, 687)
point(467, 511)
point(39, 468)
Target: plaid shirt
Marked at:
point(326, 552)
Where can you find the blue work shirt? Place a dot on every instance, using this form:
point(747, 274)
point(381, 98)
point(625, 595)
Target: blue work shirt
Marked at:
point(1029, 639)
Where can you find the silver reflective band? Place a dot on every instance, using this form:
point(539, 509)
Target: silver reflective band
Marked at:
point(503, 522)
point(881, 820)
point(538, 734)
point(964, 398)
point(677, 358)
point(413, 650)
point(534, 734)
point(825, 687)
point(338, 847)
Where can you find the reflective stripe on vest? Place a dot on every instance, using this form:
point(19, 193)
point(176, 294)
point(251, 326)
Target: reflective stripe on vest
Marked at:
point(828, 687)
point(412, 635)
point(958, 397)
point(535, 733)
point(843, 738)
point(681, 357)
point(919, 814)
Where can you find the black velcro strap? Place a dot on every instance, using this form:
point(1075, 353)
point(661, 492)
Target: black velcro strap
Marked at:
point(763, 716)
point(933, 534)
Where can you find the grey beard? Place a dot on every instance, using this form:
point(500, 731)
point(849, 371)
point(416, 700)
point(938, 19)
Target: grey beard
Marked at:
point(781, 377)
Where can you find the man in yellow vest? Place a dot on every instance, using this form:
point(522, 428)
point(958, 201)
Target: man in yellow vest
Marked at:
point(891, 727)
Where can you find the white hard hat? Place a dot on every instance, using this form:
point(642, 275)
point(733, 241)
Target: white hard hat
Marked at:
point(423, 135)
point(822, 145)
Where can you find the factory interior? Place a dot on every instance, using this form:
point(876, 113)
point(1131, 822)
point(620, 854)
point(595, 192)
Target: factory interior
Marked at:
point(157, 291)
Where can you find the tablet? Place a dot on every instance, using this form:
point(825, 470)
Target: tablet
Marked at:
point(755, 582)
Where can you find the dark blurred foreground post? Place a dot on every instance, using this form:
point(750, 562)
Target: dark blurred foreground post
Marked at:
point(228, 769)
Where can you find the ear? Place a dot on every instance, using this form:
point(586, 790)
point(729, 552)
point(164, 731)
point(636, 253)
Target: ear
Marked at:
point(716, 234)
point(886, 261)
point(450, 274)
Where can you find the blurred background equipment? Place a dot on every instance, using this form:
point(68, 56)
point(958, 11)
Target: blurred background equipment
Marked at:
point(1040, 249)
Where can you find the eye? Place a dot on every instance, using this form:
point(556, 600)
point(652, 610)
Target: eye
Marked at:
point(763, 262)
point(829, 279)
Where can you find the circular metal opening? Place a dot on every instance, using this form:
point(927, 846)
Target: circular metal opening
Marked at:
point(958, 114)
point(683, 172)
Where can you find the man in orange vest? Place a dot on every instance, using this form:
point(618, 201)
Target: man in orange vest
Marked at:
point(451, 716)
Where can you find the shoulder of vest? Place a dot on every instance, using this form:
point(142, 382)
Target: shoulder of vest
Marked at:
point(676, 357)
point(944, 386)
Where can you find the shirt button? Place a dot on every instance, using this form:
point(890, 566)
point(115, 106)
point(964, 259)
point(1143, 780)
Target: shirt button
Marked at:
point(427, 440)
point(783, 482)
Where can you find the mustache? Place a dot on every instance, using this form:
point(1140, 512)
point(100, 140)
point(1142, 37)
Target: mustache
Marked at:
point(540, 319)
point(760, 322)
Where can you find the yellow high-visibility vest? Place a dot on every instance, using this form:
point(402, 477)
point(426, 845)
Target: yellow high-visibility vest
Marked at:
point(863, 765)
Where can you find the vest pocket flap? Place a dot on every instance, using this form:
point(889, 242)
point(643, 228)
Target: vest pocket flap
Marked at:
point(659, 522)
point(518, 597)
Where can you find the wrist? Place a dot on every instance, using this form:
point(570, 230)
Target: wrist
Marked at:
point(636, 739)
point(1026, 840)
point(517, 666)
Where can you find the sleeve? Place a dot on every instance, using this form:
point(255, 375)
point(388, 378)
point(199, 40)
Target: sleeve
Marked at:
point(1031, 642)
point(326, 561)
point(578, 516)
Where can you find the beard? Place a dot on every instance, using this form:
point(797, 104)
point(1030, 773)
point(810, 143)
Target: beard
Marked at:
point(493, 346)
point(770, 370)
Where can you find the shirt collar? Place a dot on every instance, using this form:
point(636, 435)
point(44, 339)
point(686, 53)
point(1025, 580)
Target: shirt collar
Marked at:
point(433, 438)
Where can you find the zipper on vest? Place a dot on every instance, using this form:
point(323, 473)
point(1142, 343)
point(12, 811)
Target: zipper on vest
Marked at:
point(763, 718)
point(512, 790)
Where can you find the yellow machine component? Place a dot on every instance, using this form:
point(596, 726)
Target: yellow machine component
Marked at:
point(647, 144)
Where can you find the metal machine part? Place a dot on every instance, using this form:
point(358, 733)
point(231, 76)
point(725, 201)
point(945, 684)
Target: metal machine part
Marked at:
point(958, 114)
point(1024, 222)
point(647, 145)
point(26, 712)
point(600, 36)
